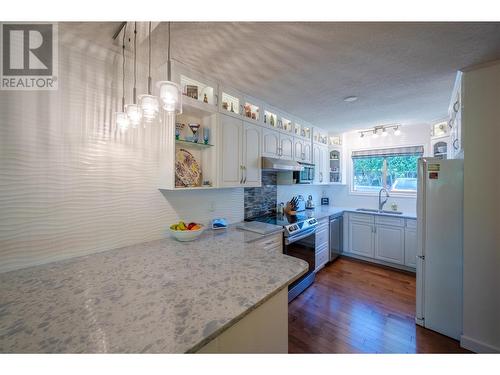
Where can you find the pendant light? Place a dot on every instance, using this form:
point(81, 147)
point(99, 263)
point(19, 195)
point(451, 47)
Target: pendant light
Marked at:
point(134, 112)
point(121, 118)
point(150, 105)
point(169, 92)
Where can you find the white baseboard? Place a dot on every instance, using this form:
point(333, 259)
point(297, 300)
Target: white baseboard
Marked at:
point(477, 346)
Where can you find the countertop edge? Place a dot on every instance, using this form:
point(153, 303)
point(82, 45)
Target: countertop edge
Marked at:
point(239, 317)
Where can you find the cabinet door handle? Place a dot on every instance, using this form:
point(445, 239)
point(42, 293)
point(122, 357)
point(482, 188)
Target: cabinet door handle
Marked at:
point(455, 144)
point(456, 106)
point(245, 173)
point(241, 172)
point(450, 123)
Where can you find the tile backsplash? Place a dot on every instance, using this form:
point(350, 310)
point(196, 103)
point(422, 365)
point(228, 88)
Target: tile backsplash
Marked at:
point(261, 200)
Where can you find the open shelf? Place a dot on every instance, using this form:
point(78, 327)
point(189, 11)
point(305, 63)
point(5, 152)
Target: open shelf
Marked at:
point(183, 142)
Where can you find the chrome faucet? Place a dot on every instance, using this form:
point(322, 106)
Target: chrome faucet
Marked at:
point(380, 203)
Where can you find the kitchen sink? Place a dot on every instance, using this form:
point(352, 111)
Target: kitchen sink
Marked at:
point(379, 211)
point(366, 209)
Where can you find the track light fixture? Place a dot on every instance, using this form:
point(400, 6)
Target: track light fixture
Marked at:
point(381, 129)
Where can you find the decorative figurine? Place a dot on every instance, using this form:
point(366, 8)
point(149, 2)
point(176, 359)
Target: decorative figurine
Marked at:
point(178, 129)
point(205, 98)
point(194, 128)
point(206, 135)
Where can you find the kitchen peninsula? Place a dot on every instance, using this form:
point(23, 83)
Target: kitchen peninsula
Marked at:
point(157, 297)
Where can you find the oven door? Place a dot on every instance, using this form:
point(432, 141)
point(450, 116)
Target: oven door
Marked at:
point(302, 246)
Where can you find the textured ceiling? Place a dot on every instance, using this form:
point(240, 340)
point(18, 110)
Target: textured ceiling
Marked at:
point(401, 72)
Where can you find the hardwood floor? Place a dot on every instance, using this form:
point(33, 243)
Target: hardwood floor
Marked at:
point(357, 307)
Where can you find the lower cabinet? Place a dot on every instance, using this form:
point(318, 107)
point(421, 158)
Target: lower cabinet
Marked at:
point(410, 247)
point(360, 235)
point(387, 239)
point(271, 243)
point(390, 244)
point(322, 243)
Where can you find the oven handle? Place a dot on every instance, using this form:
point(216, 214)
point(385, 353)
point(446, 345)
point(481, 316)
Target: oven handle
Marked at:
point(290, 240)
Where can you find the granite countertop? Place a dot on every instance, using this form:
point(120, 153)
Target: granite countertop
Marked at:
point(157, 297)
point(324, 211)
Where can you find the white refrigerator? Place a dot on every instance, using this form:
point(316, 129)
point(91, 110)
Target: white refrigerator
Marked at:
point(440, 245)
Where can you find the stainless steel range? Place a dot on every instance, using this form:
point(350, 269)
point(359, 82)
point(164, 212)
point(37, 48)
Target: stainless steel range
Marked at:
point(299, 240)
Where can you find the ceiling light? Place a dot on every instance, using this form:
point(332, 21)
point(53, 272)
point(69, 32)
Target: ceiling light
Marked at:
point(170, 92)
point(397, 131)
point(350, 99)
point(375, 134)
point(134, 111)
point(149, 103)
point(121, 118)
point(384, 132)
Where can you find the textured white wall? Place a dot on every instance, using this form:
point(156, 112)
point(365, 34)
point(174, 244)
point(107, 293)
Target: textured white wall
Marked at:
point(481, 132)
point(70, 184)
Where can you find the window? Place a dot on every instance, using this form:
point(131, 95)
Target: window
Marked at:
point(394, 168)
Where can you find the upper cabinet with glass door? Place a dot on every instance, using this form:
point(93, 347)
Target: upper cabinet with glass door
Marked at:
point(302, 130)
point(320, 136)
point(236, 104)
point(197, 91)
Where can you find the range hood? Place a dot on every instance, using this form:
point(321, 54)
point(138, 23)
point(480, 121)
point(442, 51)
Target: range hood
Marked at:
point(273, 164)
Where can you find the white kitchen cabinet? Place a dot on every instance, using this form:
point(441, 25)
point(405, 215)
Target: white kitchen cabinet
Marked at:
point(239, 155)
point(302, 150)
point(360, 235)
point(321, 257)
point(385, 239)
point(251, 155)
point(389, 243)
point(298, 149)
point(270, 143)
point(411, 243)
point(286, 143)
point(272, 243)
point(276, 144)
point(321, 160)
point(322, 233)
point(231, 136)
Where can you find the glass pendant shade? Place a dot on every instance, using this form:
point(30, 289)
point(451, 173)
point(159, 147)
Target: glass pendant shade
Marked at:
point(134, 114)
point(170, 96)
point(150, 107)
point(122, 121)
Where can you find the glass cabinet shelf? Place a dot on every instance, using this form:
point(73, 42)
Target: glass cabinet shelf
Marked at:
point(287, 125)
point(271, 119)
point(193, 144)
point(302, 131)
point(335, 140)
point(230, 103)
point(251, 111)
point(197, 90)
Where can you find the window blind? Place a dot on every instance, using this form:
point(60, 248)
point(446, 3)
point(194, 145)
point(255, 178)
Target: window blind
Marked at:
point(395, 151)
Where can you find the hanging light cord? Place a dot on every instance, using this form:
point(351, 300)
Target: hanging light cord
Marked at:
point(149, 64)
point(123, 68)
point(135, 61)
point(169, 69)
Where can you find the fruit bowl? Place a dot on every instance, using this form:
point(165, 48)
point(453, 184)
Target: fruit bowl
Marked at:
point(182, 233)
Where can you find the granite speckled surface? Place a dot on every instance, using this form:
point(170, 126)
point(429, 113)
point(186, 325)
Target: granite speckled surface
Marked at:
point(158, 297)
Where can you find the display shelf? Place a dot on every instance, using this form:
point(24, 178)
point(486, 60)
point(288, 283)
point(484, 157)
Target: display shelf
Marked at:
point(251, 111)
point(186, 143)
point(271, 119)
point(197, 90)
point(230, 103)
point(287, 125)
